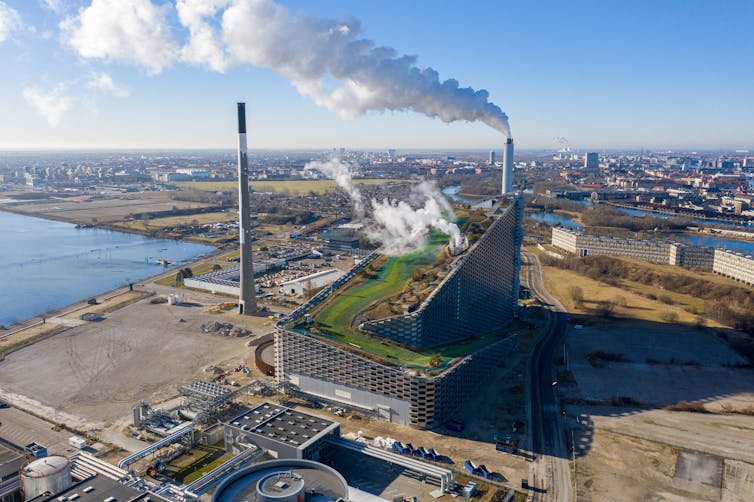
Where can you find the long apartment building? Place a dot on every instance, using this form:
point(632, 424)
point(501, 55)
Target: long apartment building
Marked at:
point(487, 277)
point(734, 265)
point(667, 253)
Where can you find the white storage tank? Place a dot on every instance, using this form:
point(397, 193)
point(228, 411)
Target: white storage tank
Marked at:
point(49, 474)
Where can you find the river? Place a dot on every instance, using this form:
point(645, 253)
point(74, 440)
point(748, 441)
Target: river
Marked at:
point(50, 264)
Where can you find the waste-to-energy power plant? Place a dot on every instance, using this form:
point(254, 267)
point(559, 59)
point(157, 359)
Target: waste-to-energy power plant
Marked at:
point(416, 367)
point(247, 300)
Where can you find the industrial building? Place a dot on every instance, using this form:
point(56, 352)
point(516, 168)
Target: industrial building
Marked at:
point(11, 461)
point(311, 283)
point(227, 280)
point(478, 297)
point(283, 432)
point(283, 481)
point(340, 240)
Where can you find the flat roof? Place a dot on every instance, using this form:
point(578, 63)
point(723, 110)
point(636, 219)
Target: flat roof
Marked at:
point(100, 488)
point(283, 425)
point(8, 454)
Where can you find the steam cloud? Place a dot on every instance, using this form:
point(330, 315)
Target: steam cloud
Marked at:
point(339, 171)
point(398, 228)
point(325, 59)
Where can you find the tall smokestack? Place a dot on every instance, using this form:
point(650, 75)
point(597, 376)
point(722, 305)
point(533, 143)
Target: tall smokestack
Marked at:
point(508, 167)
point(247, 298)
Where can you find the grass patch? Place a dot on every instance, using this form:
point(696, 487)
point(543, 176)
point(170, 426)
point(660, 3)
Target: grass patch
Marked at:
point(638, 303)
point(177, 221)
point(294, 187)
point(390, 278)
point(196, 270)
point(693, 407)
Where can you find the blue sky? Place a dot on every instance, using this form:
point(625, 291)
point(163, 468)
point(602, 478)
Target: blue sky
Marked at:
point(670, 74)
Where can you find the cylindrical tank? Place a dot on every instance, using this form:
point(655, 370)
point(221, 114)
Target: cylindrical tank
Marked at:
point(283, 486)
point(49, 474)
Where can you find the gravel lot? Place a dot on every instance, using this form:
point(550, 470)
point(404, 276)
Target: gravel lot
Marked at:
point(99, 370)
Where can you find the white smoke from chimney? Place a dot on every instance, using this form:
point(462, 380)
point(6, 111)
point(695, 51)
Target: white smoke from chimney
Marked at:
point(340, 172)
point(326, 60)
point(397, 227)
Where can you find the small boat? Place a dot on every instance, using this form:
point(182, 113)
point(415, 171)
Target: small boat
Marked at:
point(162, 262)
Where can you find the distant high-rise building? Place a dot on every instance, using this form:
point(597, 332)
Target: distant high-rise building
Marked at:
point(391, 153)
point(492, 157)
point(591, 160)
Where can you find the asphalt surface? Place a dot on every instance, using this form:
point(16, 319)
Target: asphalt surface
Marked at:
point(550, 474)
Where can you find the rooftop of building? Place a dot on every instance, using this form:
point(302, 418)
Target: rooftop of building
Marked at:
point(398, 285)
point(283, 425)
point(8, 454)
point(317, 478)
point(100, 488)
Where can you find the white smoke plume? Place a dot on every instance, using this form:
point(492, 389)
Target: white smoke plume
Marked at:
point(341, 173)
point(327, 60)
point(398, 228)
point(314, 52)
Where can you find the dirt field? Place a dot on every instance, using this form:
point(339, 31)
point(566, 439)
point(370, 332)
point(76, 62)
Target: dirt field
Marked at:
point(99, 370)
point(173, 221)
point(103, 210)
point(617, 378)
point(663, 364)
point(627, 444)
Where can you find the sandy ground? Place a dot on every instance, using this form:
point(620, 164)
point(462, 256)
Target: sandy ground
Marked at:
point(99, 370)
point(643, 452)
point(665, 364)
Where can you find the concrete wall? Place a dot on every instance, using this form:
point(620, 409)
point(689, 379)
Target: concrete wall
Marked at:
point(387, 408)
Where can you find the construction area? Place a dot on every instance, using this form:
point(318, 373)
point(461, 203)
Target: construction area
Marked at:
point(101, 369)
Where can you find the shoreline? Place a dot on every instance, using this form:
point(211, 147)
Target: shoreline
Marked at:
point(30, 322)
point(38, 318)
point(105, 226)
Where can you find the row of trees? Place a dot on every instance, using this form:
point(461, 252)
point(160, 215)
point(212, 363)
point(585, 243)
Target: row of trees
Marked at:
point(607, 216)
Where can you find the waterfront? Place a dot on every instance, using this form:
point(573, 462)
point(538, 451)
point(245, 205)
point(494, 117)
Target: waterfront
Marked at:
point(49, 264)
point(554, 219)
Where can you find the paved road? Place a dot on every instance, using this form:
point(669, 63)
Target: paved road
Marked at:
point(550, 475)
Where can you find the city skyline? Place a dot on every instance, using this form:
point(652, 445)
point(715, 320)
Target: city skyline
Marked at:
point(633, 76)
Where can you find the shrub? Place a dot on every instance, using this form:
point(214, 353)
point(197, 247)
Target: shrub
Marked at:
point(668, 316)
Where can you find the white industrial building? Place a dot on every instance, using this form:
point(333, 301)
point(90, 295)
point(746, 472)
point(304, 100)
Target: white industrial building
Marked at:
point(313, 282)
